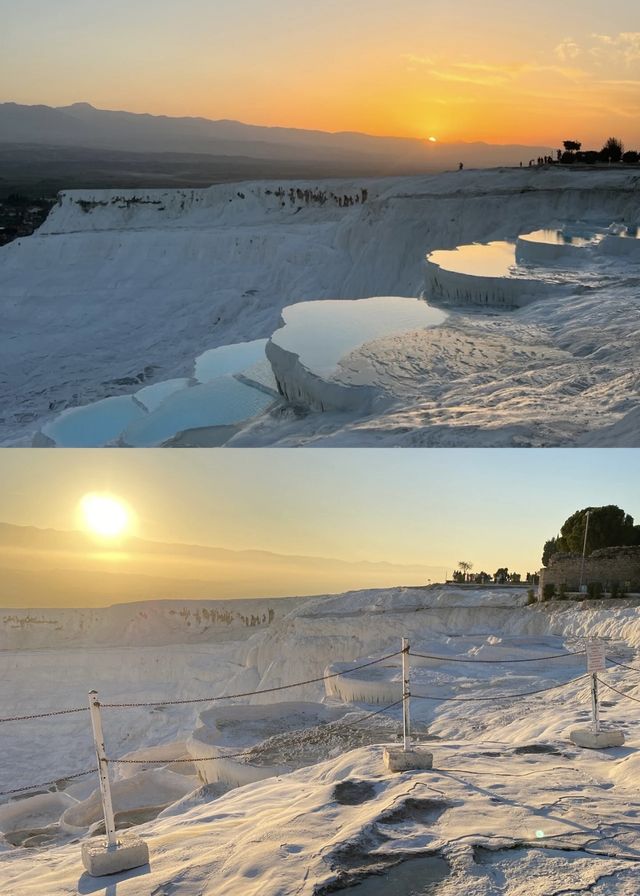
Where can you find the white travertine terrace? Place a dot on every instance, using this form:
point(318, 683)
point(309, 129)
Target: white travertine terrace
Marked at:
point(230, 385)
point(483, 274)
point(229, 730)
point(120, 291)
point(569, 245)
point(307, 351)
point(622, 240)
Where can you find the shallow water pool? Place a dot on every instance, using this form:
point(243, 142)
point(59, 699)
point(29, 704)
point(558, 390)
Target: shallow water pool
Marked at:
point(496, 259)
point(153, 396)
point(563, 237)
point(228, 359)
point(222, 402)
point(94, 424)
point(322, 333)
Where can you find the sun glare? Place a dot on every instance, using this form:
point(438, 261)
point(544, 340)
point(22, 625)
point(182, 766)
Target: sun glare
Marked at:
point(433, 139)
point(104, 515)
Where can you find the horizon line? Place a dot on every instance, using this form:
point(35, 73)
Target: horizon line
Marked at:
point(282, 127)
point(120, 548)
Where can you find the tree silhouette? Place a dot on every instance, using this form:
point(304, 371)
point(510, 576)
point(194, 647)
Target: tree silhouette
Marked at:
point(609, 526)
point(551, 547)
point(612, 150)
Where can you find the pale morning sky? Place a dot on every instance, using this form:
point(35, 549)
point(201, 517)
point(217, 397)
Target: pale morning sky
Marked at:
point(432, 507)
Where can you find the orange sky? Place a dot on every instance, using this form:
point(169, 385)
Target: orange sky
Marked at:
point(497, 71)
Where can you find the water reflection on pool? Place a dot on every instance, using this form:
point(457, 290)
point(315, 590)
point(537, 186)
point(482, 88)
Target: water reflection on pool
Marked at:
point(222, 402)
point(630, 232)
point(563, 237)
point(228, 359)
point(321, 333)
point(496, 259)
point(153, 396)
point(233, 383)
point(95, 424)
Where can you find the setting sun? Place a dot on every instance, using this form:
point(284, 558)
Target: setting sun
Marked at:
point(104, 515)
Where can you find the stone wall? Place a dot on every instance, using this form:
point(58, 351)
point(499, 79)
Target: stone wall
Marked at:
point(606, 566)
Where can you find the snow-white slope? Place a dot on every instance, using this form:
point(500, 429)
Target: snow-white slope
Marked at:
point(511, 807)
point(148, 622)
point(540, 825)
point(116, 291)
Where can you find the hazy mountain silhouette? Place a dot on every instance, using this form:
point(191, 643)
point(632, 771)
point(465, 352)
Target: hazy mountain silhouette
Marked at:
point(48, 567)
point(82, 125)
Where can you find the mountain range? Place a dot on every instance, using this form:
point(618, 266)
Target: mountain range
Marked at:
point(49, 568)
point(80, 125)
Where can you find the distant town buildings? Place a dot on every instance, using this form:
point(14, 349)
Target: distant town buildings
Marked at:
point(21, 215)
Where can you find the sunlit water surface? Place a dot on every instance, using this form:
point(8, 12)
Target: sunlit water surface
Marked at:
point(321, 333)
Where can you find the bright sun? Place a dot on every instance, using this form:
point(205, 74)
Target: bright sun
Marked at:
point(104, 515)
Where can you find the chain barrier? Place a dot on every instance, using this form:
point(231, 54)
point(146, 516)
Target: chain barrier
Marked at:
point(90, 771)
point(455, 659)
point(45, 715)
point(282, 687)
point(622, 693)
point(496, 697)
point(340, 723)
point(622, 665)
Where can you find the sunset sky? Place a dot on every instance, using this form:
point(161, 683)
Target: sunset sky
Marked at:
point(497, 71)
point(420, 507)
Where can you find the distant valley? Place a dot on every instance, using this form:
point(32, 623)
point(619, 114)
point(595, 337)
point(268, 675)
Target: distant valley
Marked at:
point(44, 150)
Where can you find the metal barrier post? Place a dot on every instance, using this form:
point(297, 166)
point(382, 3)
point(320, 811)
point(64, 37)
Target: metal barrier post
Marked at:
point(402, 759)
point(103, 770)
point(594, 738)
point(595, 709)
point(406, 695)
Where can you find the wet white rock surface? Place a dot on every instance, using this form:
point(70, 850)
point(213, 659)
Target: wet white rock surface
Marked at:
point(120, 314)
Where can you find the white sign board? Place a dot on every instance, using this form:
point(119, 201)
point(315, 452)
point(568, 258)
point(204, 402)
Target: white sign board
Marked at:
point(595, 656)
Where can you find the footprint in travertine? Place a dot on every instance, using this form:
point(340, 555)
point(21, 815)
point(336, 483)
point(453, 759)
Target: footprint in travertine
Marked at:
point(425, 811)
point(362, 855)
point(353, 793)
point(538, 748)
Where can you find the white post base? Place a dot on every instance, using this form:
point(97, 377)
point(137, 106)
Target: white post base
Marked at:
point(100, 859)
point(398, 760)
point(592, 740)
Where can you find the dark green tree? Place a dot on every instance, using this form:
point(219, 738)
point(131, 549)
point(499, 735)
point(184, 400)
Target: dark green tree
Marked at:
point(551, 547)
point(609, 526)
